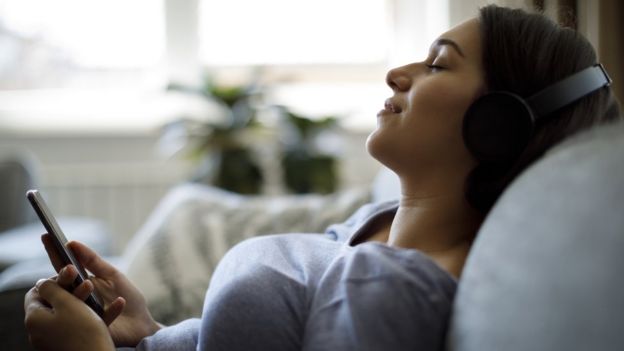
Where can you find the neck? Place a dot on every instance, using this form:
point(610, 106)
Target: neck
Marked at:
point(441, 225)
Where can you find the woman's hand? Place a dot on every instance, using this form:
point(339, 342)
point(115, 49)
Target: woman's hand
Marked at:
point(56, 320)
point(125, 309)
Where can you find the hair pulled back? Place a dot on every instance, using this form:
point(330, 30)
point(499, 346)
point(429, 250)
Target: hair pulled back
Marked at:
point(524, 53)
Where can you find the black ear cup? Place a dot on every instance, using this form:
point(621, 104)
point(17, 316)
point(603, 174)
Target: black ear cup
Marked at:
point(497, 126)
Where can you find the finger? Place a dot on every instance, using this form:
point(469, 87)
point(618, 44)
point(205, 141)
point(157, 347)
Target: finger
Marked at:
point(92, 261)
point(114, 310)
point(66, 277)
point(83, 290)
point(52, 293)
point(55, 258)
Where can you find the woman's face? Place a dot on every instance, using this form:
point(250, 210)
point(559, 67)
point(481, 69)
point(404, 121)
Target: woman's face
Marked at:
point(419, 130)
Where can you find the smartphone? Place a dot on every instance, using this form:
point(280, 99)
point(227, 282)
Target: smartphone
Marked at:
point(60, 243)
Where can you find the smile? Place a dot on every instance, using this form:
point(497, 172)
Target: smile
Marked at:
point(390, 106)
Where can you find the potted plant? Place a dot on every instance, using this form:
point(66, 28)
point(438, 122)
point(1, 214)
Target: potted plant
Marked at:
point(223, 149)
point(306, 168)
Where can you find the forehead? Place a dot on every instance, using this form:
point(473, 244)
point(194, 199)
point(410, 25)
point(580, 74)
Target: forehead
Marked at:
point(467, 35)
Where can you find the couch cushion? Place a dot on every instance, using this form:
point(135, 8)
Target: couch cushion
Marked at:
point(24, 242)
point(17, 174)
point(545, 270)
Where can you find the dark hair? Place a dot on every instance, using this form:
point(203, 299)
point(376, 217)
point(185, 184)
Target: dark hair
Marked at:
point(524, 53)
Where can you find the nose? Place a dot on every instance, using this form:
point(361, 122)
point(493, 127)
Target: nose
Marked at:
point(398, 79)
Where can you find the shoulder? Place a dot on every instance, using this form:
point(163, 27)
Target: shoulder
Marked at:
point(392, 268)
point(300, 257)
point(293, 245)
point(381, 297)
point(388, 278)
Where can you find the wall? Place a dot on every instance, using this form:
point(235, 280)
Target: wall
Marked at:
point(611, 42)
point(119, 179)
point(116, 179)
point(461, 10)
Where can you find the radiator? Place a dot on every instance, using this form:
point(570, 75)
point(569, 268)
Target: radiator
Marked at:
point(121, 195)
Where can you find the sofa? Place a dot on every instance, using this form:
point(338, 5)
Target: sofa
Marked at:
point(22, 257)
point(543, 273)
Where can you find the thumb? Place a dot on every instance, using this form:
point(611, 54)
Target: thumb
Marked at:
point(114, 310)
point(91, 260)
point(52, 293)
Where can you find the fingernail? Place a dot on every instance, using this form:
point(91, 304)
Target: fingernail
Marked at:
point(39, 282)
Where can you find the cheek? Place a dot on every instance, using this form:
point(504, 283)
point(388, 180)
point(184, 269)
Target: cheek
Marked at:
point(436, 114)
point(441, 106)
point(429, 132)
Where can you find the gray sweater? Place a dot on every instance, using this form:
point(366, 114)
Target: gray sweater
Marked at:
point(318, 292)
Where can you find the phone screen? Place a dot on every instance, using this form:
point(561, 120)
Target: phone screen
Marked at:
point(60, 243)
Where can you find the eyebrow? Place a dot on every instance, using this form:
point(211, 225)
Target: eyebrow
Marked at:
point(449, 42)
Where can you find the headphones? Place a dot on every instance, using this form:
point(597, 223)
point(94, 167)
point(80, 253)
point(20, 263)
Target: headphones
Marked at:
point(499, 124)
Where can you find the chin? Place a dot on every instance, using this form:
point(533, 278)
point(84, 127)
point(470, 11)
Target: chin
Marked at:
point(379, 149)
point(372, 143)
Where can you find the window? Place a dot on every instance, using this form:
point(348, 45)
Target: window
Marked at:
point(103, 64)
point(321, 57)
point(64, 43)
point(251, 32)
point(76, 65)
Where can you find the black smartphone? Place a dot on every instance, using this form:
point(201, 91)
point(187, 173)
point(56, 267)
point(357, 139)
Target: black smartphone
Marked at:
point(60, 243)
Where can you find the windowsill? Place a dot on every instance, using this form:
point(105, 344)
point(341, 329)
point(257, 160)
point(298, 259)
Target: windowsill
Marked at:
point(58, 111)
point(140, 112)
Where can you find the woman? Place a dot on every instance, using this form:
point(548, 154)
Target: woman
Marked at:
point(385, 278)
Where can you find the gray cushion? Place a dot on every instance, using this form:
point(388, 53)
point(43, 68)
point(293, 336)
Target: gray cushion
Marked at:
point(24, 243)
point(545, 270)
point(17, 174)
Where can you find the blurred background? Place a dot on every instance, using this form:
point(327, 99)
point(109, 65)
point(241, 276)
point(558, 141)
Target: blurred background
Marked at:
point(106, 105)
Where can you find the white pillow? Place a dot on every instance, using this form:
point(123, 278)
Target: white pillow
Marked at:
point(173, 256)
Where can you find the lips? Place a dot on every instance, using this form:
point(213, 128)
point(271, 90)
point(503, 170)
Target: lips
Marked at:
point(392, 107)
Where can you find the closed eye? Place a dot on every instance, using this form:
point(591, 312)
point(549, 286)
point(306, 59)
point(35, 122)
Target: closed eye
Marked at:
point(434, 68)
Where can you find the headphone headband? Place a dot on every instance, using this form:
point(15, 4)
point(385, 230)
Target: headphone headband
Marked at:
point(568, 90)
